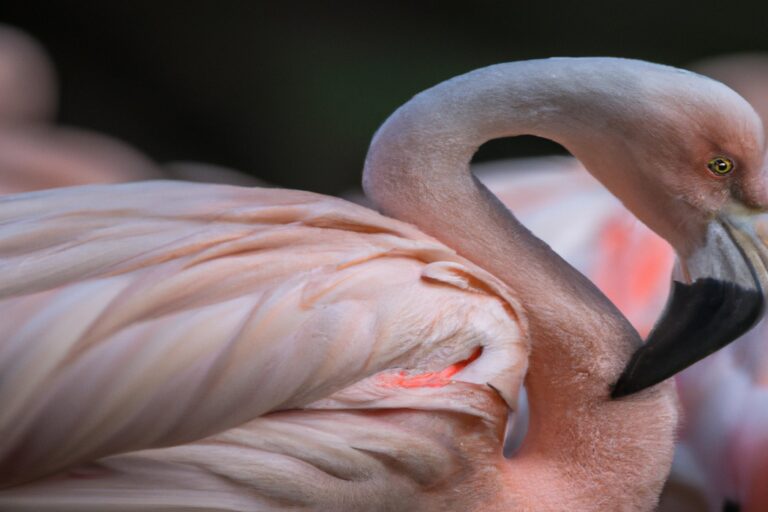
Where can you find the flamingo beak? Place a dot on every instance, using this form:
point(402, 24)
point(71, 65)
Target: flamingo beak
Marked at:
point(720, 296)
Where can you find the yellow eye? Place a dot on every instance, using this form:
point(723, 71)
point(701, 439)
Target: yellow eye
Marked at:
point(720, 165)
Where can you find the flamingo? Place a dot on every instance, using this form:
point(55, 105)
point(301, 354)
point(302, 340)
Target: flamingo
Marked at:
point(726, 397)
point(627, 261)
point(745, 73)
point(35, 155)
point(27, 83)
point(183, 346)
point(719, 459)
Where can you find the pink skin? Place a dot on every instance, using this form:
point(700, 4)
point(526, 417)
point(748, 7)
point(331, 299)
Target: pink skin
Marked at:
point(229, 347)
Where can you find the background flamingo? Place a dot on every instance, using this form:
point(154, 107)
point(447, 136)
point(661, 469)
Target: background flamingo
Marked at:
point(36, 155)
point(163, 259)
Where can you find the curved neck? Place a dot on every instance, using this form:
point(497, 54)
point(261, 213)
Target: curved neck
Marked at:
point(417, 170)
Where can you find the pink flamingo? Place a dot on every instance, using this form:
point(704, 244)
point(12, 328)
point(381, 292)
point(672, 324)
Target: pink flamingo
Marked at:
point(725, 430)
point(35, 155)
point(27, 83)
point(180, 345)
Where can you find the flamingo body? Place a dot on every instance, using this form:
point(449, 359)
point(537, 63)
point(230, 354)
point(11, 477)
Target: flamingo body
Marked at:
point(247, 301)
point(224, 330)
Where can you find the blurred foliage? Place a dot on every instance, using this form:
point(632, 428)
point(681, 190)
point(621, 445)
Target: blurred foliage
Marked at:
point(292, 92)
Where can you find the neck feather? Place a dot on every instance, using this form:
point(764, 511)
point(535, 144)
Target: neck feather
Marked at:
point(417, 170)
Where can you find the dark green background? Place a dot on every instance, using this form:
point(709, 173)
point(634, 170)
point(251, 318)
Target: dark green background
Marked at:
point(292, 93)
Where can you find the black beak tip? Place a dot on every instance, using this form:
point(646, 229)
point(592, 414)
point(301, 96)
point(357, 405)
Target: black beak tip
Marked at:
point(621, 389)
point(636, 376)
point(700, 318)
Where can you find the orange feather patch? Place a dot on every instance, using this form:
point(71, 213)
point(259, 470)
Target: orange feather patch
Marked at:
point(428, 379)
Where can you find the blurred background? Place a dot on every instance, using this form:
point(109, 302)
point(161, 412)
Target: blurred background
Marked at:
point(292, 92)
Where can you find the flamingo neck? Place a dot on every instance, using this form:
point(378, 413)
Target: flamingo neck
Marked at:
point(417, 170)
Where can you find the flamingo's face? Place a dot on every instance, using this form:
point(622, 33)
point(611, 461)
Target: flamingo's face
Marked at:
point(704, 171)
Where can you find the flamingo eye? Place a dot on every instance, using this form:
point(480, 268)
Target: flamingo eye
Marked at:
point(720, 165)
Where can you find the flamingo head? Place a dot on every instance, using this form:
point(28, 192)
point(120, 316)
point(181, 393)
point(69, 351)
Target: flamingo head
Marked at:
point(697, 176)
